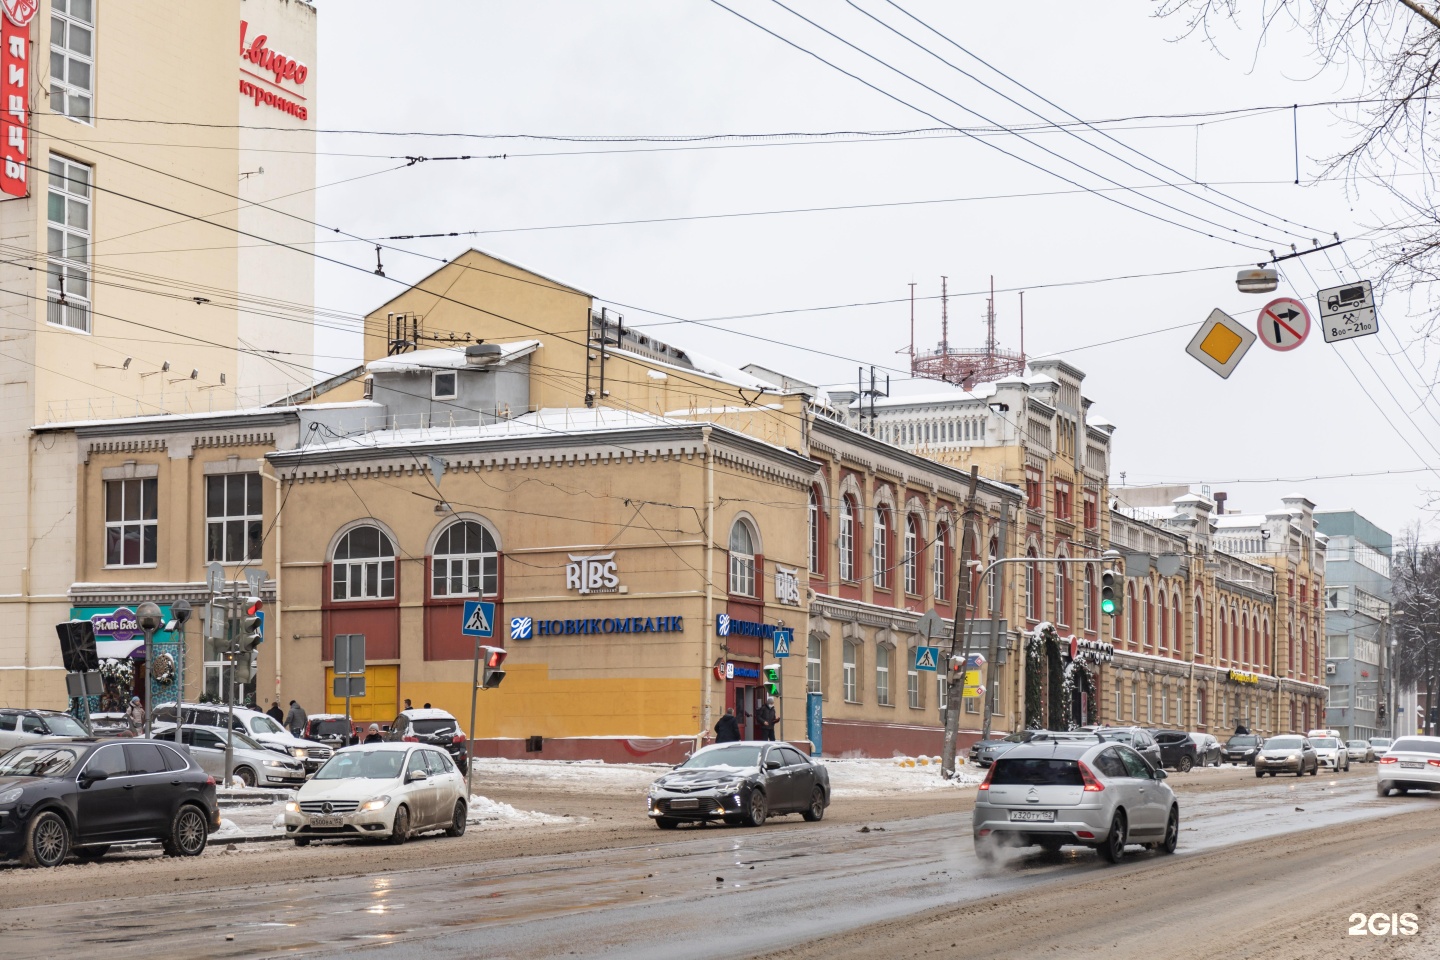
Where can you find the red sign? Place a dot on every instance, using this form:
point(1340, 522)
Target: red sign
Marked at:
point(15, 97)
point(257, 61)
point(1283, 324)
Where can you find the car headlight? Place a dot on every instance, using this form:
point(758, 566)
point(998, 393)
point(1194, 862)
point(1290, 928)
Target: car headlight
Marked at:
point(277, 763)
point(731, 787)
point(655, 789)
point(378, 803)
point(299, 752)
point(292, 807)
point(11, 795)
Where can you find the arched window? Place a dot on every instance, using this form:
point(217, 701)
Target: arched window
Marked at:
point(912, 555)
point(1164, 624)
point(816, 542)
point(1033, 608)
point(1224, 651)
point(742, 559)
point(465, 562)
point(847, 537)
point(812, 665)
point(1245, 651)
point(1147, 626)
point(1177, 638)
point(1087, 599)
point(363, 567)
point(941, 573)
point(882, 675)
point(1265, 651)
point(1200, 631)
point(851, 655)
point(881, 551)
point(994, 586)
point(1304, 654)
point(1062, 591)
point(1133, 632)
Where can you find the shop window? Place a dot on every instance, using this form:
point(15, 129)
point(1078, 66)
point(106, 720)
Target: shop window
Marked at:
point(882, 675)
point(233, 518)
point(131, 522)
point(852, 693)
point(363, 567)
point(812, 666)
point(465, 563)
point(67, 232)
point(912, 556)
point(742, 559)
point(72, 58)
point(881, 549)
point(847, 538)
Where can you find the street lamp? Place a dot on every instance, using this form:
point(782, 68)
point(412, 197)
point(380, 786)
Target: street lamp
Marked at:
point(179, 613)
point(1260, 280)
point(147, 615)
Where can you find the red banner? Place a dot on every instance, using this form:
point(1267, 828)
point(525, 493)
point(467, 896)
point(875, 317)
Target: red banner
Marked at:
point(15, 102)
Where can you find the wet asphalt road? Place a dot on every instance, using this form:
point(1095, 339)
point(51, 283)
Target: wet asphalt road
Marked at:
point(723, 892)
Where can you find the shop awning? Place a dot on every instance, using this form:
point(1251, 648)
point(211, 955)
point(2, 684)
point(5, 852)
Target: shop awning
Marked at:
point(120, 649)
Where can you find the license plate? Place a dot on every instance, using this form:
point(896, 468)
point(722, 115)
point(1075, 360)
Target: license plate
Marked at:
point(1411, 764)
point(326, 821)
point(685, 804)
point(1032, 816)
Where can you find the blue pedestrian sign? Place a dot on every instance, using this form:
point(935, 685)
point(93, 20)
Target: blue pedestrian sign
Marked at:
point(783, 639)
point(927, 658)
point(478, 619)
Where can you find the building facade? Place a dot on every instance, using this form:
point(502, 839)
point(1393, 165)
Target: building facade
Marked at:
point(1357, 624)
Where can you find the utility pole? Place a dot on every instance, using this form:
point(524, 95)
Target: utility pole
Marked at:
point(993, 653)
point(232, 645)
point(953, 687)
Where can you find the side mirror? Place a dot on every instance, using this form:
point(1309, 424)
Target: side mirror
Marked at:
point(1160, 774)
point(773, 764)
point(416, 775)
point(91, 776)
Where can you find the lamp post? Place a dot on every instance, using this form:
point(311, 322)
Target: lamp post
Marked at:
point(147, 615)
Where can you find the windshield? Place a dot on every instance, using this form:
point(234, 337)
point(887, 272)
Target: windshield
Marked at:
point(64, 725)
point(1379, 741)
point(428, 728)
point(240, 740)
point(1356, 743)
point(1017, 738)
point(38, 761)
point(264, 725)
point(363, 765)
point(1325, 742)
point(1283, 743)
point(1415, 745)
point(736, 756)
point(328, 728)
point(1242, 741)
point(1120, 736)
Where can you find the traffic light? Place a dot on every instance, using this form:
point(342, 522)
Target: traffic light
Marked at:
point(494, 669)
point(252, 625)
point(772, 679)
point(77, 645)
point(1112, 592)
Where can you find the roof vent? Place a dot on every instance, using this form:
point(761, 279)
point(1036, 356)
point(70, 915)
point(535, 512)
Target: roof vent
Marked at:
point(483, 354)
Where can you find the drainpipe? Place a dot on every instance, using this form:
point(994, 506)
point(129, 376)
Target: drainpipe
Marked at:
point(706, 678)
point(279, 531)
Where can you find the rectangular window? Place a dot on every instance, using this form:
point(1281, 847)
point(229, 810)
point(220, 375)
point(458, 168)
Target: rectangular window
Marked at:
point(233, 518)
point(851, 692)
point(1034, 489)
point(131, 523)
point(1062, 500)
point(443, 385)
point(72, 58)
point(67, 272)
point(882, 675)
point(812, 666)
point(942, 692)
point(940, 574)
point(880, 552)
point(1119, 705)
point(1092, 511)
point(912, 687)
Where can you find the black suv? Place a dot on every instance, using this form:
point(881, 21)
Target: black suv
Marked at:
point(1137, 737)
point(1177, 749)
point(435, 727)
point(1241, 748)
point(85, 795)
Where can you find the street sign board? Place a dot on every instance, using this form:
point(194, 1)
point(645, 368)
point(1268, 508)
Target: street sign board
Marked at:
point(349, 687)
point(927, 658)
point(215, 576)
point(1284, 323)
point(87, 684)
point(783, 639)
point(1221, 342)
point(350, 654)
point(255, 579)
point(1348, 311)
point(478, 619)
point(930, 625)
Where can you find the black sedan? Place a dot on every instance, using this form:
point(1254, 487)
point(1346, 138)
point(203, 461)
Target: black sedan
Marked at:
point(740, 783)
point(1241, 748)
point(85, 795)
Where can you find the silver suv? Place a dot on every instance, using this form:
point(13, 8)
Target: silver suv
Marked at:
point(19, 727)
point(1098, 794)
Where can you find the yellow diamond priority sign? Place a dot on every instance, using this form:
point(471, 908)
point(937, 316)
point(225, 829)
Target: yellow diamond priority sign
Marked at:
point(1221, 342)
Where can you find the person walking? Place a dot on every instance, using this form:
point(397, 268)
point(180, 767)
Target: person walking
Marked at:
point(373, 734)
point(1240, 729)
point(408, 704)
point(135, 716)
point(727, 728)
point(275, 713)
point(765, 718)
point(296, 719)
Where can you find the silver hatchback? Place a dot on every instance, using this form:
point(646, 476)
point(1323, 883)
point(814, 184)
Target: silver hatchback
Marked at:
point(1098, 794)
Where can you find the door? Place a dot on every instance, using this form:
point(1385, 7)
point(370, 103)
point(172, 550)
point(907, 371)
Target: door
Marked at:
point(449, 786)
point(802, 776)
point(381, 701)
point(420, 794)
point(108, 808)
point(206, 750)
point(1147, 809)
point(745, 711)
point(155, 796)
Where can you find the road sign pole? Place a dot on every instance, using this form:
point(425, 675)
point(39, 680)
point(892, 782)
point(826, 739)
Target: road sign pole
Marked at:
point(470, 734)
point(962, 599)
point(993, 652)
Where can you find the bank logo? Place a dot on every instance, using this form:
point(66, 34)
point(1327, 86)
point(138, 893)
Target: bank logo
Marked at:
point(722, 625)
point(522, 628)
point(597, 573)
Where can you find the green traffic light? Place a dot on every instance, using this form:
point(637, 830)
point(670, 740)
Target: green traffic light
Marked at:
point(1107, 607)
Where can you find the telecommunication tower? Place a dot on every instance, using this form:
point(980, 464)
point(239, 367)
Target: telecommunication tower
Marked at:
point(966, 366)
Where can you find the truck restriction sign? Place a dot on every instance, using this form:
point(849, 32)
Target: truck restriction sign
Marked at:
point(1284, 324)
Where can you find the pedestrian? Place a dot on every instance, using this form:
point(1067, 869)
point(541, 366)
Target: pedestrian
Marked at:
point(135, 715)
point(373, 734)
point(408, 705)
point(1240, 729)
point(427, 704)
point(765, 717)
point(275, 713)
point(727, 728)
point(296, 719)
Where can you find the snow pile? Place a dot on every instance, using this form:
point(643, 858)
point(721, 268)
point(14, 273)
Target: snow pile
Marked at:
point(228, 829)
point(878, 778)
point(487, 811)
point(583, 775)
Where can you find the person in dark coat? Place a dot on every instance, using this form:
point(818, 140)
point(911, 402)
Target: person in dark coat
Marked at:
point(275, 712)
point(373, 734)
point(765, 717)
point(727, 728)
point(1241, 730)
point(296, 719)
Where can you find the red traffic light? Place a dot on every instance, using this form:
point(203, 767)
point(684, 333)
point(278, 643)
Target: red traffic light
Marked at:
point(253, 605)
point(496, 657)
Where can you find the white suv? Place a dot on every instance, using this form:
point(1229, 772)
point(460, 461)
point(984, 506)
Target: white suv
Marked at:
point(1331, 753)
point(254, 724)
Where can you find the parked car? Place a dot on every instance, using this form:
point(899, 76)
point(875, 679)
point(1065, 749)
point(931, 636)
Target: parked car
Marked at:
point(1290, 753)
point(984, 752)
point(439, 728)
point(254, 724)
point(1315, 734)
point(1177, 750)
point(1411, 763)
point(1091, 793)
point(331, 729)
point(1359, 751)
point(110, 725)
point(254, 764)
point(82, 796)
point(19, 727)
point(1208, 751)
point(740, 783)
point(1137, 737)
point(1242, 748)
point(385, 791)
point(1380, 746)
point(1331, 753)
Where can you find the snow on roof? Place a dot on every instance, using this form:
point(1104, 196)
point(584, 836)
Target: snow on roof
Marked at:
point(982, 391)
point(445, 358)
point(1095, 420)
point(1235, 521)
point(422, 713)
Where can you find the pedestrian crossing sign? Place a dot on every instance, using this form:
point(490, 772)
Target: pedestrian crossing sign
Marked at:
point(927, 658)
point(478, 619)
point(783, 639)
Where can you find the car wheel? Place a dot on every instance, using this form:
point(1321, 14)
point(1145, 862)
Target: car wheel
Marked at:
point(93, 853)
point(816, 810)
point(400, 832)
point(302, 841)
point(246, 775)
point(1315, 770)
point(47, 841)
point(1382, 788)
point(756, 813)
point(457, 821)
point(1259, 774)
point(1172, 832)
point(1185, 764)
point(666, 823)
point(188, 833)
point(1113, 849)
point(1401, 791)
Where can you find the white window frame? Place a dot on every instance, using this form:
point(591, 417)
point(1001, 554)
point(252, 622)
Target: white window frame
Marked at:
point(814, 517)
point(477, 571)
point(880, 549)
point(439, 376)
point(68, 291)
point(64, 14)
point(378, 571)
point(847, 538)
point(812, 666)
point(882, 675)
point(1034, 603)
point(742, 560)
point(939, 573)
point(942, 691)
point(1087, 599)
point(912, 555)
point(912, 685)
point(850, 655)
point(249, 521)
point(146, 528)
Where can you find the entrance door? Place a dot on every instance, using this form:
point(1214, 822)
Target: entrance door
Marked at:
point(380, 703)
point(745, 711)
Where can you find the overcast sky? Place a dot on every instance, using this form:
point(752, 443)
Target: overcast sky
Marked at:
point(1093, 271)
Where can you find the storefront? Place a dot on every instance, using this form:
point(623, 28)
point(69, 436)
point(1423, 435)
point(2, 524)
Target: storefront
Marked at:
point(120, 646)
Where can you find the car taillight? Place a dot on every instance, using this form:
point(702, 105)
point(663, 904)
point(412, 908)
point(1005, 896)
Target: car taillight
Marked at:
point(1091, 784)
point(1433, 763)
point(1387, 759)
point(209, 781)
point(989, 775)
point(458, 738)
point(410, 738)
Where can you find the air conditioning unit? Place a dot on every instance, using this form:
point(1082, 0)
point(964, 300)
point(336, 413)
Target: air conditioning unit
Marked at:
point(1329, 669)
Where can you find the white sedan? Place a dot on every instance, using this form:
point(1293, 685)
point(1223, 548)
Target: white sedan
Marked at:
point(388, 791)
point(1331, 753)
point(1412, 763)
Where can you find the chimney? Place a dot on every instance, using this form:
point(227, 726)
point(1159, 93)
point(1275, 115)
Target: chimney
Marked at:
point(1220, 503)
